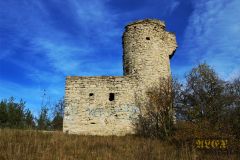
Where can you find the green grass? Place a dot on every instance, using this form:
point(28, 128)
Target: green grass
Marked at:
point(37, 145)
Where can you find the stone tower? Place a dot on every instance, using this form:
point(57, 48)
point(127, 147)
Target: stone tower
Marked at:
point(147, 48)
point(107, 105)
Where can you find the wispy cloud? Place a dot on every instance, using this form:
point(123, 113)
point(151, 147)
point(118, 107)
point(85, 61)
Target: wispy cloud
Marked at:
point(173, 6)
point(49, 40)
point(213, 36)
point(64, 58)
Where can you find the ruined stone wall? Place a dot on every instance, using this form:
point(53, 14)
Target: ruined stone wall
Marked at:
point(89, 110)
point(147, 49)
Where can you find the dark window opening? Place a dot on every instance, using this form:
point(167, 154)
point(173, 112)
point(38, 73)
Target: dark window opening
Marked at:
point(91, 94)
point(147, 38)
point(126, 70)
point(111, 96)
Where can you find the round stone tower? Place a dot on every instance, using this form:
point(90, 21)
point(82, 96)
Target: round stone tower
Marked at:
point(147, 48)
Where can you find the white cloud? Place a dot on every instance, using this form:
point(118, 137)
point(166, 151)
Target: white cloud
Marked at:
point(213, 35)
point(173, 6)
point(97, 27)
point(96, 19)
point(65, 58)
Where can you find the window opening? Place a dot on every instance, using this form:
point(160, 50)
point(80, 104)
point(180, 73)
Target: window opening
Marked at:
point(147, 38)
point(111, 97)
point(91, 94)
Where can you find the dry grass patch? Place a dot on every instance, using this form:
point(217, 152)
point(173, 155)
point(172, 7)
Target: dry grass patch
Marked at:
point(36, 145)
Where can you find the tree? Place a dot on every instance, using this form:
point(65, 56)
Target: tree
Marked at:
point(57, 122)
point(203, 98)
point(232, 91)
point(14, 115)
point(3, 113)
point(43, 121)
point(158, 119)
point(29, 120)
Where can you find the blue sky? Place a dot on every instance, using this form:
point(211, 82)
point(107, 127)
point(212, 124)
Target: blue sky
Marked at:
point(42, 41)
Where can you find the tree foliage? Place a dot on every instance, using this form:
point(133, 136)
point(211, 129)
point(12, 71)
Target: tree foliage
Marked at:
point(14, 115)
point(203, 97)
point(57, 122)
point(209, 103)
point(205, 101)
point(43, 120)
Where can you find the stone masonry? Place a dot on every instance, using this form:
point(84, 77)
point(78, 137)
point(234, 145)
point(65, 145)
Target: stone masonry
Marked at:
point(107, 105)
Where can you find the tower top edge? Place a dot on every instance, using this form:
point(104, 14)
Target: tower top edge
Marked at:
point(148, 21)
